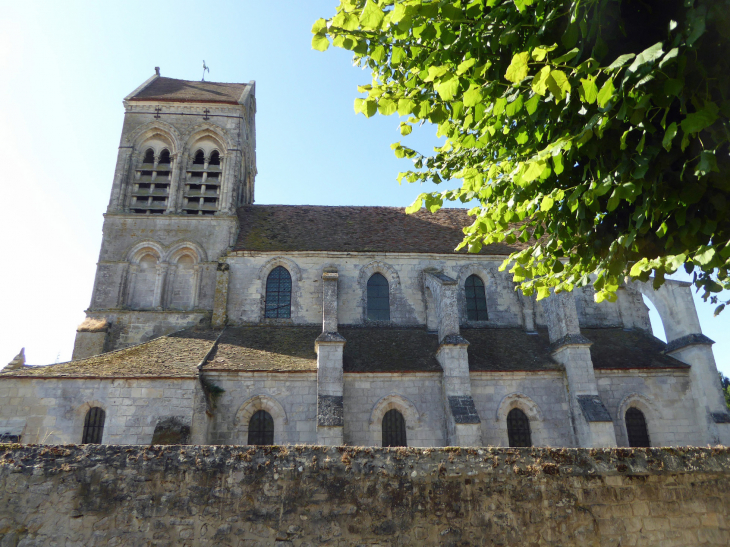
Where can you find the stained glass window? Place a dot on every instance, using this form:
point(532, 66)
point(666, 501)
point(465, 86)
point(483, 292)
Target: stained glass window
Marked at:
point(93, 426)
point(394, 429)
point(278, 293)
point(518, 428)
point(476, 299)
point(378, 299)
point(636, 428)
point(261, 428)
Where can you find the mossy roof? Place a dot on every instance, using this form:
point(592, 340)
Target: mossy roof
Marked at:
point(276, 348)
point(354, 229)
point(265, 348)
point(628, 349)
point(172, 356)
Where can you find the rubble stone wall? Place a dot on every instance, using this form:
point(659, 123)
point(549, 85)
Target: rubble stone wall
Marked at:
point(307, 496)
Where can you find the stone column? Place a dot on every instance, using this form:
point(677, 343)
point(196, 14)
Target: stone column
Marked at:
point(329, 347)
point(200, 423)
point(220, 297)
point(685, 342)
point(158, 300)
point(463, 426)
point(592, 423)
point(121, 179)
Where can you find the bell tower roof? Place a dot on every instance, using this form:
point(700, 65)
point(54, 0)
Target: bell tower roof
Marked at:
point(162, 89)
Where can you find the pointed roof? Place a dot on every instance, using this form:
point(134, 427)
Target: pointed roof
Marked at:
point(158, 88)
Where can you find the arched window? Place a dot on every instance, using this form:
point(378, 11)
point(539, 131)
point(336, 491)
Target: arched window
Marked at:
point(183, 284)
point(278, 294)
point(476, 299)
point(378, 299)
point(144, 282)
point(261, 428)
point(93, 426)
point(151, 185)
point(518, 428)
point(149, 156)
point(394, 429)
point(202, 188)
point(636, 428)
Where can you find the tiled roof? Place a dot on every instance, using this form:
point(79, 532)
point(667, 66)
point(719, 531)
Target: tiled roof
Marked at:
point(508, 350)
point(266, 348)
point(363, 229)
point(170, 89)
point(389, 349)
point(174, 355)
point(632, 349)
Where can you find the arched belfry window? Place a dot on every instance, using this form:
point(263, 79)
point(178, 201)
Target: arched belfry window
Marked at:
point(518, 428)
point(378, 298)
point(93, 426)
point(278, 294)
point(636, 428)
point(164, 157)
point(149, 156)
point(151, 185)
point(203, 184)
point(476, 299)
point(394, 429)
point(261, 428)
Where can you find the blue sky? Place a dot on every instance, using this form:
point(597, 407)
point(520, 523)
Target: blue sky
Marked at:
point(66, 67)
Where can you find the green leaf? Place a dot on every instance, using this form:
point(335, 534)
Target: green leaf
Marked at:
point(386, 107)
point(669, 135)
point(606, 93)
point(405, 129)
point(466, 65)
point(672, 87)
point(567, 57)
point(320, 42)
point(398, 55)
point(649, 55)
point(473, 96)
point(590, 90)
point(447, 87)
point(319, 26)
point(372, 16)
point(558, 84)
point(704, 255)
point(531, 105)
point(534, 170)
point(558, 163)
point(547, 203)
point(415, 206)
point(539, 82)
point(707, 163)
point(369, 108)
point(539, 53)
point(517, 70)
point(701, 119)
point(621, 61)
point(406, 106)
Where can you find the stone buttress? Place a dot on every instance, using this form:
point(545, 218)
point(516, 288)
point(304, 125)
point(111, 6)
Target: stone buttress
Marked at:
point(462, 419)
point(592, 423)
point(329, 346)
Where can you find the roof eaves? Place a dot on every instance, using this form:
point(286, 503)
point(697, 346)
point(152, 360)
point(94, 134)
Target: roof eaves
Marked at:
point(249, 89)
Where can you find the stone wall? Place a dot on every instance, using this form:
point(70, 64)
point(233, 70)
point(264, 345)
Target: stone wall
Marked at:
point(53, 410)
point(404, 272)
point(306, 496)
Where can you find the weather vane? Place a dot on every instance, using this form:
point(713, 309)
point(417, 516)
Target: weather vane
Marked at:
point(204, 69)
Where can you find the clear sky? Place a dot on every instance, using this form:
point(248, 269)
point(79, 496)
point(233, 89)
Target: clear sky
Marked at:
point(64, 69)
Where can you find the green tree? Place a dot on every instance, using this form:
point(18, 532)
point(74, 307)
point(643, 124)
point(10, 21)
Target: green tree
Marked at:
point(594, 132)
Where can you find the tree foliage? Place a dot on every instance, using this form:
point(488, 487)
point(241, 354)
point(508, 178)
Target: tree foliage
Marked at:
point(595, 132)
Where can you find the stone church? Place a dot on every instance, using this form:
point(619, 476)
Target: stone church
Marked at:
point(217, 321)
